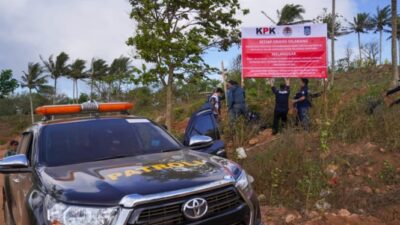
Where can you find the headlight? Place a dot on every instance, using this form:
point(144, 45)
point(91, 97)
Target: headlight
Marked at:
point(61, 214)
point(243, 182)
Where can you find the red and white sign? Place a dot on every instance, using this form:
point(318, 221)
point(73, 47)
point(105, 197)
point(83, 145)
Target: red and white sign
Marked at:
point(285, 51)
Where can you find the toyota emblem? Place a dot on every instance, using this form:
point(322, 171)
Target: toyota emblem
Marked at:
point(195, 208)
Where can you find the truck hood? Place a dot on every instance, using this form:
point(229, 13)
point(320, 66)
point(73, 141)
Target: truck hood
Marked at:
point(105, 183)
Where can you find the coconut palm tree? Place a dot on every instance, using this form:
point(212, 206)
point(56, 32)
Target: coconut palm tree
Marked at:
point(56, 69)
point(76, 73)
point(290, 14)
point(98, 70)
point(379, 21)
point(394, 48)
point(360, 25)
point(335, 29)
point(397, 36)
point(119, 71)
point(33, 80)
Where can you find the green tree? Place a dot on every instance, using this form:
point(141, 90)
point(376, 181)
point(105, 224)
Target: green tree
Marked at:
point(77, 72)
point(379, 21)
point(173, 36)
point(56, 69)
point(33, 80)
point(7, 83)
point(98, 70)
point(360, 25)
point(394, 47)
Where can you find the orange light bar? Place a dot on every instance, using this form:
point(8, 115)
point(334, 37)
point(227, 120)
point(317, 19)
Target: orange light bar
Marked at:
point(115, 107)
point(77, 108)
point(58, 109)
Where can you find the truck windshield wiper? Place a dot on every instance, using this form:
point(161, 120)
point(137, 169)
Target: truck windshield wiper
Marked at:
point(113, 157)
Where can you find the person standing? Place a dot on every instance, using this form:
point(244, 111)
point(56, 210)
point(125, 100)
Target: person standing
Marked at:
point(281, 104)
point(215, 101)
point(236, 100)
point(12, 149)
point(302, 104)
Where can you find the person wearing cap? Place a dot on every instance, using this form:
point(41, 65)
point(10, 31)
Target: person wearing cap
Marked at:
point(236, 100)
point(12, 149)
point(281, 104)
point(302, 104)
point(215, 101)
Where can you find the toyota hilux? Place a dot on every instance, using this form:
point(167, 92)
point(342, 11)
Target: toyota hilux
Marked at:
point(120, 170)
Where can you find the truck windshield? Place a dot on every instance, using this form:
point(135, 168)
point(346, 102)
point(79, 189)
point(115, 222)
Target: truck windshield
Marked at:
point(101, 139)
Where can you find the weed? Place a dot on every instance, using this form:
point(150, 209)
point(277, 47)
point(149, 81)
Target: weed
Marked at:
point(324, 137)
point(312, 183)
point(239, 131)
point(277, 179)
point(288, 172)
point(388, 174)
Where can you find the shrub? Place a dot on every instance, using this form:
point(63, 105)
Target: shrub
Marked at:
point(388, 174)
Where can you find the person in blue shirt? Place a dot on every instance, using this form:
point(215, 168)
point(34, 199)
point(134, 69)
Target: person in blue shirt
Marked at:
point(281, 104)
point(302, 104)
point(236, 100)
point(12, 150)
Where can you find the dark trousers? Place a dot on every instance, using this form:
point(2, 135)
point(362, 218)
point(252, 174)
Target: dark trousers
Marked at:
point(279, 116)
point(303, 118)
point(236, 111)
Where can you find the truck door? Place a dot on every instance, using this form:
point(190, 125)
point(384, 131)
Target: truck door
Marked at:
point(202, 123)
point(20, 184)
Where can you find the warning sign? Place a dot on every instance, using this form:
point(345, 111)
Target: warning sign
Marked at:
point(285, 51)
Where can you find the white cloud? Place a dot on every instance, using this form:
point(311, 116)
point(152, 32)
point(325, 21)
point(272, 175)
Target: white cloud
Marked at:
point(82, 28)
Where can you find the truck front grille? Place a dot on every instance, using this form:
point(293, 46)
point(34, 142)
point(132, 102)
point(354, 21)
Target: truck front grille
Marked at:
point(170, 212)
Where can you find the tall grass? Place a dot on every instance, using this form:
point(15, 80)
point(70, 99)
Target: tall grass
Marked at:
point(289, 171)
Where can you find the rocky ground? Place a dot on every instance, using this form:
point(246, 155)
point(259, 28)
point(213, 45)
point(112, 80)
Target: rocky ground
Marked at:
point(357, 196)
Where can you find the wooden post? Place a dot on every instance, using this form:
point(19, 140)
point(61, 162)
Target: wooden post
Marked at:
point(333, 42)
point(223, 73)
point(325, 100)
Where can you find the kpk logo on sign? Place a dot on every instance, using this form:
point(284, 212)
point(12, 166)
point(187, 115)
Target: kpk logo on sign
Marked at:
point(285, 51)
point(265, 30)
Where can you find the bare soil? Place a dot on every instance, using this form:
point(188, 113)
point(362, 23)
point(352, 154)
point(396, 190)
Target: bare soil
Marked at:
point(359, 191)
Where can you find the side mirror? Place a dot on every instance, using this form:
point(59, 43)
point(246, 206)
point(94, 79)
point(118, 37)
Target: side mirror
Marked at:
point(14, 164)
point(200, 141)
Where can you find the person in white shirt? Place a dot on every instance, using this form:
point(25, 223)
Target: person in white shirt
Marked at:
point(215, 101)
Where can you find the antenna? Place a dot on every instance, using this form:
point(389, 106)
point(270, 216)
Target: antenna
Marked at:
point(266, 15)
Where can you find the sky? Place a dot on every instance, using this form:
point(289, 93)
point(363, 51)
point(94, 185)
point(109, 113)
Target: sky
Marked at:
point(99, 28)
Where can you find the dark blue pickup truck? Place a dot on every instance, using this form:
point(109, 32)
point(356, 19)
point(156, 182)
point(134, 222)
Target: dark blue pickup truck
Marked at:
point(122, 170)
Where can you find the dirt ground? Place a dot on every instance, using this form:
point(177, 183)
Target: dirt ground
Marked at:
point(358, 196)
point(362, 201)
